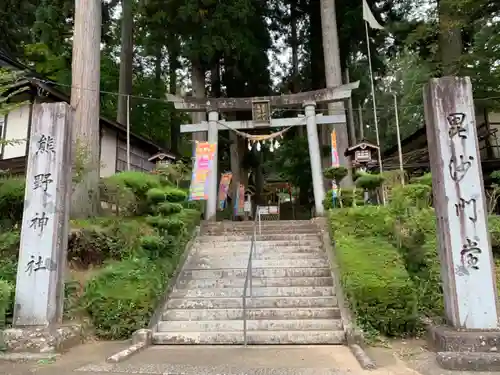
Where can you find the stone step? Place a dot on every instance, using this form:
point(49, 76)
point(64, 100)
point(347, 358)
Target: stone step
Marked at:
point(256, 282)
point(252, 325)
point(306, 291)
point(259, 250)
point(253, 337)
point(263, 229)
point(260, 238)
point(256, 272)
point(264, 232)
point(195, 264)
point(267, 223)
point(255, 303)
point(261, 313)
point(269, 255)
point(207, 243)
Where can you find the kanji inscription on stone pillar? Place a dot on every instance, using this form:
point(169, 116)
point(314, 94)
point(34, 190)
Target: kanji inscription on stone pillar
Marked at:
point(44, 232)
point(467, 266)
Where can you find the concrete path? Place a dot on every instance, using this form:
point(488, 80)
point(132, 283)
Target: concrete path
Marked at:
point(89, 359)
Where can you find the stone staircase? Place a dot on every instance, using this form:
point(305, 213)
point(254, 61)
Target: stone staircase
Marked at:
point(293, 300)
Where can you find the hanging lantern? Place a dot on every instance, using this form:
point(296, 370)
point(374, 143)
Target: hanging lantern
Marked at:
point(276, 145)
point(271, 148)
point(249, 146)
point(258, 146)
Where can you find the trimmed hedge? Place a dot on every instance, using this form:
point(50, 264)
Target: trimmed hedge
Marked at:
point(122, 297)
point(377, 285)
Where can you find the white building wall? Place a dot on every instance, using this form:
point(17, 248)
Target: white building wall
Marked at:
point(16, 130)
point(108, 152)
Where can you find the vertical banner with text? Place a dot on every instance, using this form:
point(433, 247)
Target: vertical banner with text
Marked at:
point(204, 155)
point(335, 162)
point(225, 181)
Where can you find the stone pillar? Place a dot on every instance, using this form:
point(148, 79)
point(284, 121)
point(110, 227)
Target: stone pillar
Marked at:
point(44, 231)
point(315, 156)
point(213, 132)
point(467, 267)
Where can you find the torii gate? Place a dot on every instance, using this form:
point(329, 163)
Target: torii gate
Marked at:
point(261, 113)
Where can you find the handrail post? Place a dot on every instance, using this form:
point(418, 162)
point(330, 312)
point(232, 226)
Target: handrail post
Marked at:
point(244, 321)
point(249, 276)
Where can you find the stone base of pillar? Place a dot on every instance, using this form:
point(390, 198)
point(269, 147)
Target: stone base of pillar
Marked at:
point(465, 350)
point(54, 339)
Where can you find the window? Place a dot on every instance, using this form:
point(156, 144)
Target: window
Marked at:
point(138, 158)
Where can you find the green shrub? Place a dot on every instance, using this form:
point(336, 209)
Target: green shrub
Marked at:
point(156, 246)
point(415, 237)
point(348, 197)
point(425, 179)
point(193, 205)
point(140, 183)
point(494, 227)
point(119, 197)
point(167, 208)
point(377, 285)
point(166, 194)
point(168, 225)
point(122, 297)
point(411, 196)
point(6, 293)
point(11, 201)
point(92, 242)
point(369, 181)
point(363, 221)
point(336, 174)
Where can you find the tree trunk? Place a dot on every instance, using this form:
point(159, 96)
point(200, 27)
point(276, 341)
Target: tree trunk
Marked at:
point(316, 47)
point(175, 131)
point(350, 114)
point(126, 60)
point(294, 43)
point(158, 67)
point(450, 37)
point(198, 83)
point(86, 132)
point(333, 76)
point(215, 81)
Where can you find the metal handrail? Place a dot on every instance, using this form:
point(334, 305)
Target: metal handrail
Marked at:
point(249, 274)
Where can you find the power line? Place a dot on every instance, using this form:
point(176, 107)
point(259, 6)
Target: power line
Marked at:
point(158, 100)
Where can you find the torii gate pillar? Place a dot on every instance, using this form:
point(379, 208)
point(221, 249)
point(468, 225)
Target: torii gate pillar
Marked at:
point(213, 137)
point(315, 156)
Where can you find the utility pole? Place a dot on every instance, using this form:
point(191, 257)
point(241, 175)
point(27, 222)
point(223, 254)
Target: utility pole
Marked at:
point(398, 135)
point(361, 125)
point(350, 113)
point(85, 88)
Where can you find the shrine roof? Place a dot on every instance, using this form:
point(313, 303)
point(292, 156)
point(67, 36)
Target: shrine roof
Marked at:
point(361, 145)
point(36, 81)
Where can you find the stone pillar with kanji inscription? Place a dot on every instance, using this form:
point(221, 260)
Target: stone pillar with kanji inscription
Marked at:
point(467, 267)
point(44, 232)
